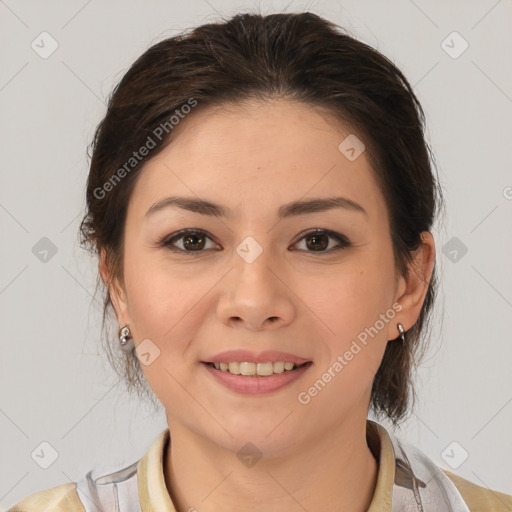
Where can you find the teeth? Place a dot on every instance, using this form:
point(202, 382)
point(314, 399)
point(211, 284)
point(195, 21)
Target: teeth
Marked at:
point(260, 369)
point(279, 367)
point(234, 368)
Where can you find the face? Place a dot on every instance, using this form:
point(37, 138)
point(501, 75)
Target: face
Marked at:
point(253, 271)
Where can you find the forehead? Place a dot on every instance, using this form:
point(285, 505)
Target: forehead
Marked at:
point(259, 155)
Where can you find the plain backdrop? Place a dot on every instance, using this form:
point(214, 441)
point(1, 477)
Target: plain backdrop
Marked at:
point(55, 383)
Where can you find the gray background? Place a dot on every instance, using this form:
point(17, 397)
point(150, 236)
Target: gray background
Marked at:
point(55, 383)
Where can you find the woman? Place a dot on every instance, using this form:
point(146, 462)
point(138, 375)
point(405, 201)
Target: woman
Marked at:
point(261, 199)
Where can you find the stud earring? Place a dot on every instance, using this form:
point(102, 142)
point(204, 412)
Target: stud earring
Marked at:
point(401, 330)
point(126, 340)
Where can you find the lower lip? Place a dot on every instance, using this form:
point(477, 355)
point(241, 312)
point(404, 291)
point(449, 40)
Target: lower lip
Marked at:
point(248, 385)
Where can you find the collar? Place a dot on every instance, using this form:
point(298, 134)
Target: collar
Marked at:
point(154, 496)
point(381, 446)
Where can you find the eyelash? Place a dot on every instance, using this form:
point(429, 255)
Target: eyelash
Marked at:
point(168, 240)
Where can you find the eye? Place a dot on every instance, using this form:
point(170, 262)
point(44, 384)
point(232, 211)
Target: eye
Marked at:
point(189, 240)
point(196, 240)
point(318, 240)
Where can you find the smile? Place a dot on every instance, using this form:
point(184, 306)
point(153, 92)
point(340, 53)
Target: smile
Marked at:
point(251, 383)
point(259, 369)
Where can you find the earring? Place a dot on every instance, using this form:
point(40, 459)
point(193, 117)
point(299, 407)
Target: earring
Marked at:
point(126, 340)
point(401, 330)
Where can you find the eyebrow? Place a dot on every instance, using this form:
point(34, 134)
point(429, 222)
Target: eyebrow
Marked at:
point(287, 210)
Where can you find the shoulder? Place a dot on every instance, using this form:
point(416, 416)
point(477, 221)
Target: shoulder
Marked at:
point(63, 498)
point(105, 487)
point(436, 486)
point(480, 499)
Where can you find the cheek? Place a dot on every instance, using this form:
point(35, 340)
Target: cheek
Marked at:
point(167, 310)
point(353, 351)
point(354, 306)
point(352, 297)
point(164, 306)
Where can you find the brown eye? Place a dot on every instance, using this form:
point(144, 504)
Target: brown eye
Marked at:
point(319, 240)
point(189, 240)
point(198, 241)
point(194, 242)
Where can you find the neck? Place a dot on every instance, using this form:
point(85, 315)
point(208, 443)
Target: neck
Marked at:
point(335, 471)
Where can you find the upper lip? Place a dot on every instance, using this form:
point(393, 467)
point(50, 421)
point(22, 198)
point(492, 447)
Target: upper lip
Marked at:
point(271, 356)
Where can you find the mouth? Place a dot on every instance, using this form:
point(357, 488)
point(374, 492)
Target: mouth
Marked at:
point(262, 370)
point(262, 378)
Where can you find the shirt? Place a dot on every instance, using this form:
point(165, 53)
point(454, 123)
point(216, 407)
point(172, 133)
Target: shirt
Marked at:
point(407, 480)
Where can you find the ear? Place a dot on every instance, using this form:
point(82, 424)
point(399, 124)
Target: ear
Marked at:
point(116, 290)
point(411, 290)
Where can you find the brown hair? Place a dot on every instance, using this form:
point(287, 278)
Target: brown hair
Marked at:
point(295, 56)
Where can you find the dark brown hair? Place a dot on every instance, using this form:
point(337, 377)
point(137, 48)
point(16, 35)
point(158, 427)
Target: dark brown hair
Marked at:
point(301, 57)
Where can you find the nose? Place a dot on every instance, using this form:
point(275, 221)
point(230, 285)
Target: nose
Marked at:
point(255, 296)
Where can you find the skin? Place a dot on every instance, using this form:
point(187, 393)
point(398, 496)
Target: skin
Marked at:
point(192, 305)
